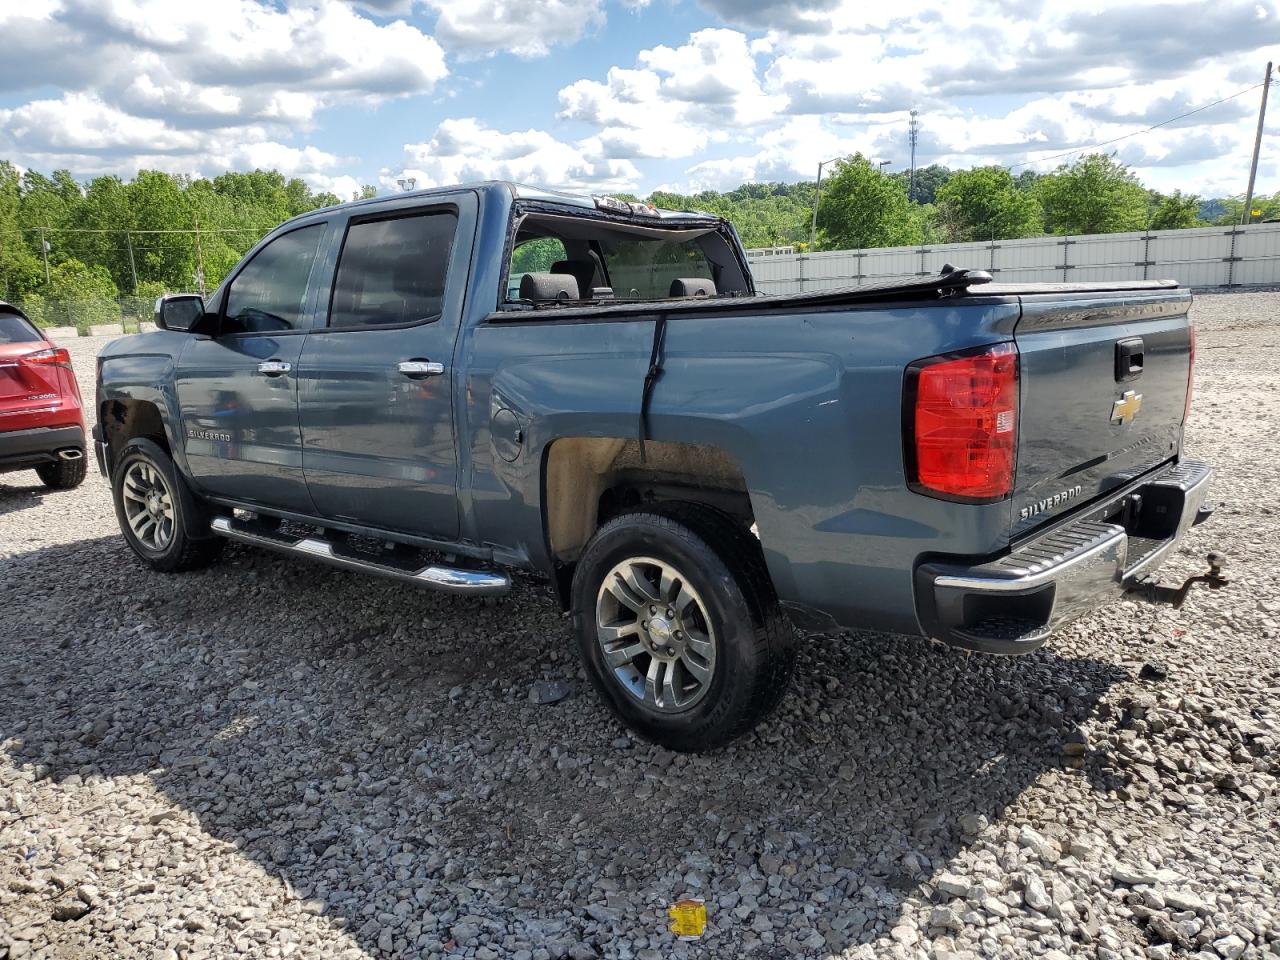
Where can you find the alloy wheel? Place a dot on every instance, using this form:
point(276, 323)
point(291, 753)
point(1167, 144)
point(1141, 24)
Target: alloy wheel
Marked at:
point(655, 635)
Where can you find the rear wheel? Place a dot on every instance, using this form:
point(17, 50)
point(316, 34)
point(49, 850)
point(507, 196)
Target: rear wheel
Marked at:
point(679, 626)
point(62, 475)
point(157, 513)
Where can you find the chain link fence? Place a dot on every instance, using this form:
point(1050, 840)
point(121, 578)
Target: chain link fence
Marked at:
point(126, 312)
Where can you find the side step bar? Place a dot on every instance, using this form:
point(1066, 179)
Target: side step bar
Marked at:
point(475, 583)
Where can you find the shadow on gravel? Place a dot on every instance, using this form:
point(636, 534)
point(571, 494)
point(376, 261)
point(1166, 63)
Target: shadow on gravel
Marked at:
point(17, 493)
point(375, 746)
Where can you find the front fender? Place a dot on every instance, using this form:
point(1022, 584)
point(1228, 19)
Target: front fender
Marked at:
point(141, 369)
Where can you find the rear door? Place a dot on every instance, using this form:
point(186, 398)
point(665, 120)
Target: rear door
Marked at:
point(376, 381)
point(238, 391)
point(1103, 386)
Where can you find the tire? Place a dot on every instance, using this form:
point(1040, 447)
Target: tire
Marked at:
point(64, 474)
point(162, 521)
point(729, 650)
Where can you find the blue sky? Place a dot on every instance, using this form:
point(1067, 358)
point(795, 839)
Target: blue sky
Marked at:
point(611, 95)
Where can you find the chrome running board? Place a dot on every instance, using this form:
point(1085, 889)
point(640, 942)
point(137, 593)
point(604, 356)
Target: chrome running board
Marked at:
point(476, 583)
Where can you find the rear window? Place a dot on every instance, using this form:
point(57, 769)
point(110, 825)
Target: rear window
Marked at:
point(14, 329)
point(644, 269)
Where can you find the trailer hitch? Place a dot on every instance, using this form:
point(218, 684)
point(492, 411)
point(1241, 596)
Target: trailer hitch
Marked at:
point(1214, 579)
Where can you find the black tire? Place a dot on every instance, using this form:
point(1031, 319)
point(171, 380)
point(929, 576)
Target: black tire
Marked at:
point(189, 544)
point(64, 474)
point(754, 640)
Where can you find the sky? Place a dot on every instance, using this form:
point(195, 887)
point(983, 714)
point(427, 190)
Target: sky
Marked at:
point(632, 95)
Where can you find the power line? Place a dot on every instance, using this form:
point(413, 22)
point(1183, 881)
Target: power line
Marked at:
point(1135, 133)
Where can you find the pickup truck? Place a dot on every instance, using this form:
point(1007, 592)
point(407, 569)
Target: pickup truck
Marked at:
point(448, 385)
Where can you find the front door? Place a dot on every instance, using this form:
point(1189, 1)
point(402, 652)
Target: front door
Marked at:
point(376, 382)
point(238, 391)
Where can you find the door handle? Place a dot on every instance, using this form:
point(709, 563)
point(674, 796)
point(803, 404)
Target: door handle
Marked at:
point(274, 368)
point(418, 369)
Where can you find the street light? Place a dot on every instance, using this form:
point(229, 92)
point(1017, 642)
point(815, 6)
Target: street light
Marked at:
point(883, 164)
point(407, 183)
point(817, 195)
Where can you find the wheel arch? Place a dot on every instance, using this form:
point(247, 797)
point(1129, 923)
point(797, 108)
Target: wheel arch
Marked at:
point(586, 481)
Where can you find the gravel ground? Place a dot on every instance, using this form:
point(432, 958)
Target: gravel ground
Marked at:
point(277, 759)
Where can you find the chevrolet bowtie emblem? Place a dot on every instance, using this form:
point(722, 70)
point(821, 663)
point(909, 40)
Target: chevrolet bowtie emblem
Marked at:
point(1126, 408)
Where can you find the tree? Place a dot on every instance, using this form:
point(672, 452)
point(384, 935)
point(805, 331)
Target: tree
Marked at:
point(861, 207)
point(1175, 211)
point(1097, 194)
point(929, 180)
point(76, 295)
point(985, 204)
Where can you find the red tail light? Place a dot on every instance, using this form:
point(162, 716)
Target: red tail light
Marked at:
point(1191, 376)
point(962, 423)
point(54, 357)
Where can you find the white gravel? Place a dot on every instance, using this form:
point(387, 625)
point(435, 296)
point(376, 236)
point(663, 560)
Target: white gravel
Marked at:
point(276, 759)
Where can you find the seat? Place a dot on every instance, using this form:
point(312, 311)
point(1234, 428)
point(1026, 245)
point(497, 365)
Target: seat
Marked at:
point(584, 271)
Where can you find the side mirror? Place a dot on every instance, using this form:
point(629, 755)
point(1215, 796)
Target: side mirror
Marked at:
point(181, 312)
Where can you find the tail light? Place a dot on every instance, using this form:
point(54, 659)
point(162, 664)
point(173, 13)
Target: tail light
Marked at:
point(54, 357)
point(961, 417)
point(1191, 375)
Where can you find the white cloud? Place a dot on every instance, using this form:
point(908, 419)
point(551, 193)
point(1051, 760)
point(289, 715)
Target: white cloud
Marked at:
point(527, 28)
point(465, 150)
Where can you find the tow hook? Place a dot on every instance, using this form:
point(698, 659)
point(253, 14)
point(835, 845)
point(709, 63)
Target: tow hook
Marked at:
point(1154, 592)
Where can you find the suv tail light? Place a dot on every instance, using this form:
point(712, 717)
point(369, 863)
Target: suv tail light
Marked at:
point(54, 357)
point(961, 417)
point(1191, 375)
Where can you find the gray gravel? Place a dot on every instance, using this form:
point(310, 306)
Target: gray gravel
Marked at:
point(276, 759)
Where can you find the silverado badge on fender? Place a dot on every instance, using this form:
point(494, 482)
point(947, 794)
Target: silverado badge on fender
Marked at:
point(1126, 408)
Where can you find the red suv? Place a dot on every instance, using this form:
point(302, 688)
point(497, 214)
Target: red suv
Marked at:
point(41, 417)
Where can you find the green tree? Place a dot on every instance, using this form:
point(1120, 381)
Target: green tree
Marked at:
point(76, 295)
point(1175, 211)
point(862, 207)
point(985, 204)
point(20, 268)
point(1097, 194)
point(929, 180)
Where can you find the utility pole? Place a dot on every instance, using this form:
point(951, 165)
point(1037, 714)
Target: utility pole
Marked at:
point(199, 260)
point(1257, 145)
point(44, 252)
point(913, 134)
point(817, 195)
point(133, 267)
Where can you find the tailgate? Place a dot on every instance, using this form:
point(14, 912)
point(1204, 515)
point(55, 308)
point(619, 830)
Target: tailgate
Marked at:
point(1103, 386)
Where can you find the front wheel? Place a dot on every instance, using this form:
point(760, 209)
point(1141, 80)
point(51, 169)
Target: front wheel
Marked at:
point(156, 511)
point(679, 627)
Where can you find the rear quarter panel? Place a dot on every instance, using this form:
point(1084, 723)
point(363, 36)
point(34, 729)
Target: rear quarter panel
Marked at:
point(808, 404)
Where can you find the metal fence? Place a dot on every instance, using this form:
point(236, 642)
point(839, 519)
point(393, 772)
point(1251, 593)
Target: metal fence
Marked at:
point(1203, 257)
point(61, 314)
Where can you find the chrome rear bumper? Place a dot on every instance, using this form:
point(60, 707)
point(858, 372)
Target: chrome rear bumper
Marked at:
point(1012, 604)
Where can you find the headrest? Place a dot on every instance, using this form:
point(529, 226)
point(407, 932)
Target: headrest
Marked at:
point(692, 287)
point(548, 286)
point(584, 271)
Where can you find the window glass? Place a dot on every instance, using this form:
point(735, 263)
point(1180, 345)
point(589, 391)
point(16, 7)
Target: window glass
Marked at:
point(644, 269)
point(268, 294)
point(14, 329)
point(393, 271)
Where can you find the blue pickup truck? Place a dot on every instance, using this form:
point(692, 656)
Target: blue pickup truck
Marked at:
point(446, 385)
